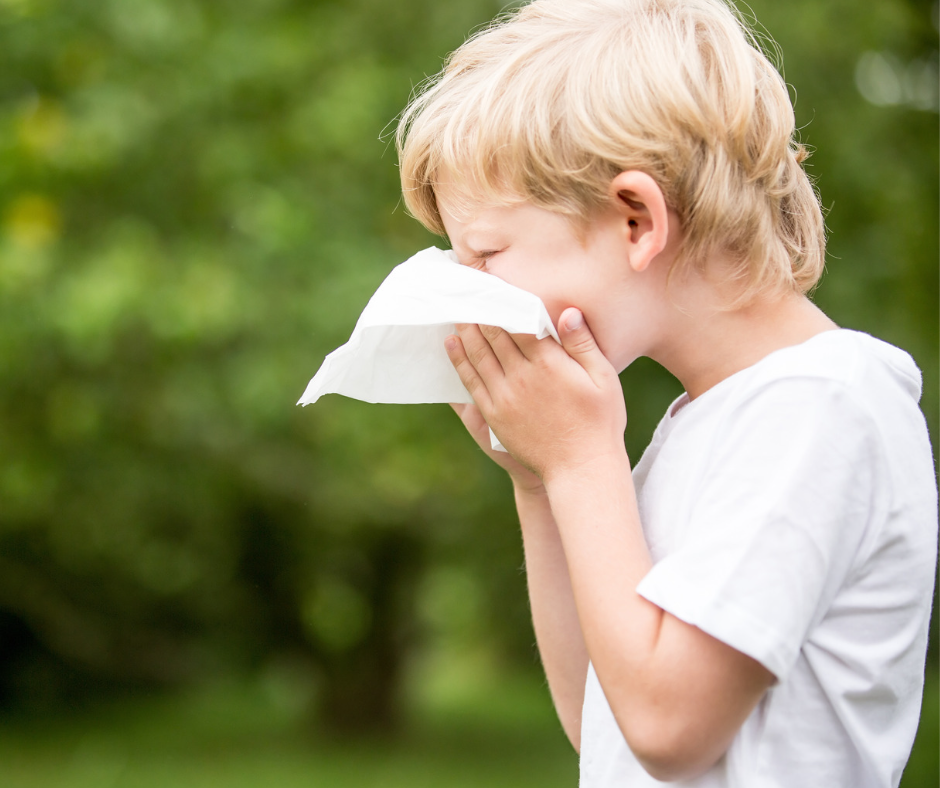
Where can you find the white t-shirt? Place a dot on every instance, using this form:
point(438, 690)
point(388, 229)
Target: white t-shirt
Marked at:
point(791, 512)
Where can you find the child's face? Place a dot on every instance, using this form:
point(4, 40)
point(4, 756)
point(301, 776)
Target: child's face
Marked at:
point(539, 251)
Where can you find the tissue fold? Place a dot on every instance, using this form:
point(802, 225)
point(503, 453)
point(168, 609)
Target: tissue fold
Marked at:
point(396, 351)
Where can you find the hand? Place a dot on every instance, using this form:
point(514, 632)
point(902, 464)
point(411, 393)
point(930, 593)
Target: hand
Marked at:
point(522, 478)
point(553, 407)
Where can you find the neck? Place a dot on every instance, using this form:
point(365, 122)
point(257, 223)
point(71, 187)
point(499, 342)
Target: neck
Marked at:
point(705, 346)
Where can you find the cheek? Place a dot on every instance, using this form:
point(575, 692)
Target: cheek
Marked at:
point(519, 276)
point(534, 279)
point(555, 302)
point(555, 307)
point(556, 290)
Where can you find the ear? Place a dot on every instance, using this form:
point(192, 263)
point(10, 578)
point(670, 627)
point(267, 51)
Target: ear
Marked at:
point(642, 207)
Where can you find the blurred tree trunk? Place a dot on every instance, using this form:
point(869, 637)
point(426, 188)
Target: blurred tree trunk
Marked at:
point(362, 690)
point(348, 611)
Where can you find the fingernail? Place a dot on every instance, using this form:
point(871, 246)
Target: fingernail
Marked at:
point(575, 321)
point(450, 342)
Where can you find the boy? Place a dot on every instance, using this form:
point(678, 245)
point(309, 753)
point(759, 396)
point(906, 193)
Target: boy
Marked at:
point(750, 606)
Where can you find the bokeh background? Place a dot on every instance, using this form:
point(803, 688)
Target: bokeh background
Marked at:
point(202, 584)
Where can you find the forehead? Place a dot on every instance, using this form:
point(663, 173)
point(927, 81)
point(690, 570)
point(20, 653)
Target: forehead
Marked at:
point(484, 226)
point(466, 212)
point(468, 196)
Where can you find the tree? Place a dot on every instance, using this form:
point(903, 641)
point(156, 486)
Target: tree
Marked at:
point(196, 204)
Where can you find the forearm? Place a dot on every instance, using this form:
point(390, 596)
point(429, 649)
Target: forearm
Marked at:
point(607, 556)
point(678, 695)
point(605, 550)
point(554, 615)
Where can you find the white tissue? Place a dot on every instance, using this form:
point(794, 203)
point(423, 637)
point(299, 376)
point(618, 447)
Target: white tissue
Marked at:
point(396, 351)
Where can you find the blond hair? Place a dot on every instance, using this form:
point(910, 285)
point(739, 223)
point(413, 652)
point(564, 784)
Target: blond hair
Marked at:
point(551, 102)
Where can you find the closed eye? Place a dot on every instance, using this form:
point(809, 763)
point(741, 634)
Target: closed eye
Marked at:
point(480, 258)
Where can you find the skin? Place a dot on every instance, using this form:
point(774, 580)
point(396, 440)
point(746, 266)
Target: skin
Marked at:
point(678, 694)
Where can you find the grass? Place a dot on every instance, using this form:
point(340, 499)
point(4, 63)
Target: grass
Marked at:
point(465, 731)
point(249, 735)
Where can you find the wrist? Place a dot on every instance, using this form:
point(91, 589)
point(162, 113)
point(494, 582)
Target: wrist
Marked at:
point(600, 470)
point(529, 487)
point(535, 513)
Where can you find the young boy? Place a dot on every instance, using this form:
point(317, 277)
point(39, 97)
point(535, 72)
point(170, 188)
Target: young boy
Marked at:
point(750, 606)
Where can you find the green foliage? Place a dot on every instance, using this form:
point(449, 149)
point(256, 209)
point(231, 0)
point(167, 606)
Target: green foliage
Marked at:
point(195, 204)
point(250, 735)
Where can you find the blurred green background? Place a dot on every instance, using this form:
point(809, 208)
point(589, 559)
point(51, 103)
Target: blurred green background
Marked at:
point(202, 584)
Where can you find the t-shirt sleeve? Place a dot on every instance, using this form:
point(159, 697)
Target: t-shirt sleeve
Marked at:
point(776, 523)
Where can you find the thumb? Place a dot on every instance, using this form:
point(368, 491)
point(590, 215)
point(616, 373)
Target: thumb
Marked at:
point(578, 341)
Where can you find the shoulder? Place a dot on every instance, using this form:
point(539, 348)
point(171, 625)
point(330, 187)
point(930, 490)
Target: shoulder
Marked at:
point(842, 398)
point(842, 411)
point(852, 378)
point(841, 406)
point(853, 359)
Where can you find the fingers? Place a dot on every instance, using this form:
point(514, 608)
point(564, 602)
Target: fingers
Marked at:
point(492, 352)
point(462, 410)
point(530, 347)
point(467, 371)
point(483, 355)
point(479, 351)
point(505, 346)
point(490, 349)
point(472, 419)
point(469, 414)
point(511, 349)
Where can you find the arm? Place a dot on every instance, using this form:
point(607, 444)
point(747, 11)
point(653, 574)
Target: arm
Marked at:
point(679, 695)
point(554, 615)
